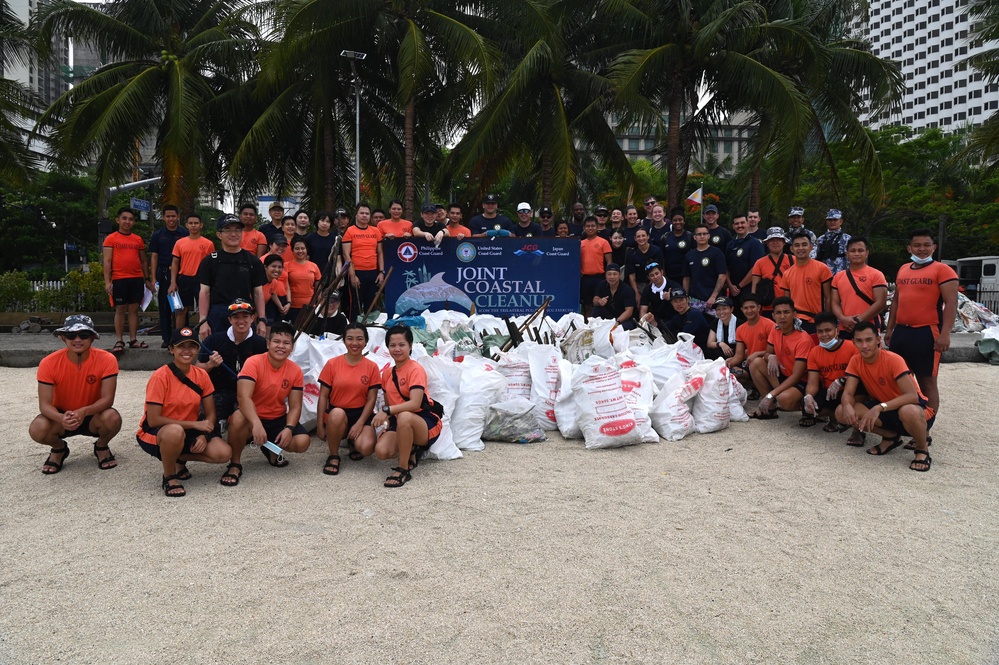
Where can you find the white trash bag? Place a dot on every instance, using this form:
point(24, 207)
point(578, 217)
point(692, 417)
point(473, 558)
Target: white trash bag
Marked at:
point(605, 417)
point(737, 399)
point(482, 384)
point(671, 417)
point(710, 407)
point(639, 391)
point(545, 381)
point(513, 421)
point(443, 448)
point(566, 412)
point(609, 338)
point(517, 371)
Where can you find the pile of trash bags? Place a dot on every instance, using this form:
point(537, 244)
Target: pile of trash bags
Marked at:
point(590, 380)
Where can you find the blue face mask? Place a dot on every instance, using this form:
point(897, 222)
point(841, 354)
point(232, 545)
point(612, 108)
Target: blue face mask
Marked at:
point(828, 346)
point(919, 261)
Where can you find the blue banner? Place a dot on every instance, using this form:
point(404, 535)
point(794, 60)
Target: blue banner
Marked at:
point(501, 276)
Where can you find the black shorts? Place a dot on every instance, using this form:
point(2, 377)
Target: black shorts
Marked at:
point(801, 385)
point(430, 419)
point(825, 403)
point(915, 345)
point(82, 430)
point(190, 436)
point(890, 420)
point(353, 415)
point(127, 291)
point(808, 327)
point(225, 403)
point(274, 426)
point(188, 288)
point(588, 288)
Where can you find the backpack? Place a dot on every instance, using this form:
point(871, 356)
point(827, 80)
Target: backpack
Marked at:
point(765, 287)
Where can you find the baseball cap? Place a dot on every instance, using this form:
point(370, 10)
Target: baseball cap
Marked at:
point(490, 198)
point(600, 210)
point(710, 208)
point(341, 212)
point(227, 220)
point(430, 207)
point(678, 293)
point(834, 214)
point(796, 211)
point(524, 206)
point(723, 302)
point(775, 232)
point(276, 206)
point(613, 267)
point(652, 266)
point(181, 335)
point(545, 212)
point(334, 295)
point(239, 305)
point(279, 239)
point(439, 206)
point(77, 323)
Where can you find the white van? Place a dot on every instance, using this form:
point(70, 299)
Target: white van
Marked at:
point(979, 275)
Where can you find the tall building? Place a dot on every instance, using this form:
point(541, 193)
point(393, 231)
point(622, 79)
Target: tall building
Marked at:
point(46, 79)
point(930, 39)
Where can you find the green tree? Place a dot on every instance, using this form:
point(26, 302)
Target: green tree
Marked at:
point(984, 141)
point(17, 104)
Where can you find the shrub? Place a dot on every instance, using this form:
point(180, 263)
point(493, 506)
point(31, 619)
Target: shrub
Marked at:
point(15, 291)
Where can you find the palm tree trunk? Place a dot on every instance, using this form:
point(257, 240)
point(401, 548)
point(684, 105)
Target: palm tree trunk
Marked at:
point(546, 180)
point(673, 147)
point(329, 171)
point(409, 199)
point(754, 188)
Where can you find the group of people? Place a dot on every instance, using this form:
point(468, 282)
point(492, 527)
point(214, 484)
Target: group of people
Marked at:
point(236, 389)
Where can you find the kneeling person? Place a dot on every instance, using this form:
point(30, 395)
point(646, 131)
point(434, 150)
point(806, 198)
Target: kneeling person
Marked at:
point(827, 364)
point(224, 354)
point(779, 374)
point(263, 386)
point(76, 388)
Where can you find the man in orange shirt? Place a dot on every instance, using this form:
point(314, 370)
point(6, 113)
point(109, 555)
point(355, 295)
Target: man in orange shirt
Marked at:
point(124, 278)
point(594, 255)
point(265, 383)
point(395, 226)
point(895, 408)
point(768, 271)
point(779, 374)
point(860, 292)
point(187, 255)
point(922, 313)
point(455, 228)
point(750, 342)
point(807, 282)
point(253, 240)
point(76, 390)
point(826, 374)
point(362, 246)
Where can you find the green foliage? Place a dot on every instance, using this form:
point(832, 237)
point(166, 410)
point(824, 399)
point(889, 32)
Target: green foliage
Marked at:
point(80, 292)
point(15, 290)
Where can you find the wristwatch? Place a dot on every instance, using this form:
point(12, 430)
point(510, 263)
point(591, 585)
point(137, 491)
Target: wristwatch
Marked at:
point(884, 406)
point(387, 410)
point(770, 396)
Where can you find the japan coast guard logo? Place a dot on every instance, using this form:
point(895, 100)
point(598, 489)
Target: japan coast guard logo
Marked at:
point(407, 252)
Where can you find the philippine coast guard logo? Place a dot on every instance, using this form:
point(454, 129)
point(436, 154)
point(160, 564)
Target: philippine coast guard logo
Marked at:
point(705, 262)
point(408, 252)
point(465, 252)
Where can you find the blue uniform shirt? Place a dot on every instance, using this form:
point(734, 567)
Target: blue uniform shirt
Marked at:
point(703, 269)
point(741, 255)
point(161, 243)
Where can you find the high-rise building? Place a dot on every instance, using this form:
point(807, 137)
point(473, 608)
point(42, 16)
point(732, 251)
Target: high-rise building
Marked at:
point(46, 79)
point(930, 40)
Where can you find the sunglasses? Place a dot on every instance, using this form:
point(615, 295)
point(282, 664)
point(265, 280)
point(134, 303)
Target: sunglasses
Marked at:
point(600, 214)
point(546, 216)
point(240, 307)
point(79, 335)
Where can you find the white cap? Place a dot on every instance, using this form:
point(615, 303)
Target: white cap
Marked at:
point(524, 206)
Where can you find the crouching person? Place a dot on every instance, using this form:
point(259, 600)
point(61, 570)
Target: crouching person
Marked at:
point(895, 406)
point(265, 383)
point(779, 374)
point(827, 365)
point(179, 424)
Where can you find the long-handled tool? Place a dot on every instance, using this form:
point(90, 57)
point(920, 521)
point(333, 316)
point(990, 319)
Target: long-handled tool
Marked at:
point(378, 294)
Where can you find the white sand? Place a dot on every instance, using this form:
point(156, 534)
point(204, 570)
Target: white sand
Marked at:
point(765, 543)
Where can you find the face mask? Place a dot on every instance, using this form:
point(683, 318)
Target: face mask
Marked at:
point(919, 261)
point(828, 346)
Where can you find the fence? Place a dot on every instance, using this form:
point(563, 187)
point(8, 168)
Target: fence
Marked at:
point(989, 297)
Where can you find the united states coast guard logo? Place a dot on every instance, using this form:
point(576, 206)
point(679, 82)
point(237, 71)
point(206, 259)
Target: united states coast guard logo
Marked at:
point(738, 252)
point(705, 262)
point(465, 252)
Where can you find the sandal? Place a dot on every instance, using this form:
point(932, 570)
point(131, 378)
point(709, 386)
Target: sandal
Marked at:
point(119, 347)
point(921, 462)
point(274, 460)
point(55, 467)
point(399, 478)
point(173, 490)
point(764, 415)
point(229, 474)
point(183, 472)
point(857, 439)
point(833, 426)
point(912, 446)
point(136, 344)
point(353, 454)
point(807, 421)
point(110, 462)
point(332, 466)
point(893, 443)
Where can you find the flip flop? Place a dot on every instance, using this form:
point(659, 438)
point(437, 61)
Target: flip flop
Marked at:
point(857, 439)
point(136, 344)
point(764, 415)
point(119, 347)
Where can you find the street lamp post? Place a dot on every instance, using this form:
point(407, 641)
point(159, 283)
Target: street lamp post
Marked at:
point(353, 57)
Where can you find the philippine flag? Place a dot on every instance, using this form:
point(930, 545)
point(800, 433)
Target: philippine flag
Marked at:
point(695, 197)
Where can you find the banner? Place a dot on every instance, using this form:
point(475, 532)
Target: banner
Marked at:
point(500, 276)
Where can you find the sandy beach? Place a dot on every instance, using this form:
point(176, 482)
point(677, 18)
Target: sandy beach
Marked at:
point(764, 543)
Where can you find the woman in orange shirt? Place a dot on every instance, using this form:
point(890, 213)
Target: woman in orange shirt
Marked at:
point(303, 275)
point(275, 291)
point(411, 419)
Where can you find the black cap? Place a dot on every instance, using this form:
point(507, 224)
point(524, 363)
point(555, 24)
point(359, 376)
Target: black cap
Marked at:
point(430, 207)
point(341, 212)
point(334, 295)
point(239, 305)
point(490, 198)
point(181, 335)
point(613, 266)
point(652, 266)
point(227, 219)
point(545, 212)
point(678, 293)
point(710, 208)
point(600, 209)
point(723, 301)
point(279, 239)
point(439, 206)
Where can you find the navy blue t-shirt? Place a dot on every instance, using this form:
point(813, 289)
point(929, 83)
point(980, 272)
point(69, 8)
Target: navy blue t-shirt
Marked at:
point(741, 255)
point(675, 250)
point(656, 235)
point(636, 262)
point(161, 244)
point(629, 232)
point(720, 237)
point(532, 230)
point(703, 269)
point(480, 224)
point(692, 322)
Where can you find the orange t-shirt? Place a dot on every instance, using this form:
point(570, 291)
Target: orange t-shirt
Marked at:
point(398, 229)
point(349, 384)
point(252, 239)
point(190, 251)
point(302, 278)
point(867, 279)
point(880, 378)
point(284, 273)
point(272, 385)
point(75, 386)
point(591, 255)
point(831, 364)
point(275, 286)
point(410, 375)
point(790, 348)
point(804, 285)
point(918, 293)
point(764, 269)
point(755, 338)
point(459, 230)
point(126, 261)
point(363, 246)
point(178, 402)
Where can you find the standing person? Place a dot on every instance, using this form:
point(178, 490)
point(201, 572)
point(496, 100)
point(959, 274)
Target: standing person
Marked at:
point(348, 387)
point(614, 300)
point(654, 305)
point(525, 226)
point(831, 245)
point(704, 272)
point(545, 217)
point(455, 228)
point(860, 292)
point(377, 215)
point(720, 236)
point(594, 255)
point(411, 418)
point(341, 219)
point(441, 213)
point(321, 241)
point(676, 244)
point(753, 218)
point(808, 282)
point(253, 240)
point(279, 247)
point(429, 228)
point(687, 319)
point(741, 254)
point(303, 276)
point(490, 223)
point(395, 226)
point(275, 291)
point(631, 225)
point(362, 247)
point(896, 407)
point(796, 223)
point(125, 275)
point(302, 222)
point(179, 424)
point(577, 220)
point(160, 257)
point(274, 225)
point(722, 340)
point(619, 250)
point(265, 383)
point(231, 348)
point(650, 202)
point(638, 257)
point(779, 374)
point(768, 272)
point(600, 213)
point(751, 340)
point(562, 230)
point(616, 223)
point(827, 365)
point(226, 275)
point(922, 313)
point(187, 256)
point(290, 231)
point(76, 391)
point(658, 227)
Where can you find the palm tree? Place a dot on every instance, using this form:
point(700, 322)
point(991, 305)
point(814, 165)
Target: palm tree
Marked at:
point(984, 141)
point(169, 60)
point(17, 103)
